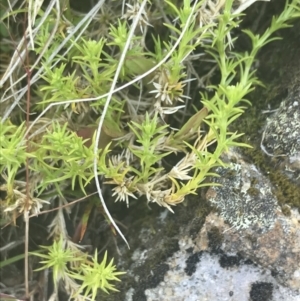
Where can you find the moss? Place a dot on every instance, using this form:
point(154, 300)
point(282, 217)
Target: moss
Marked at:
point(254, 181)
point(252, 239)
point(253, 191)
point(285, 191)
point(169, 247)
point(230, 173)
point(253, 121)
point(286, 210)
point(215, 238)
point(196, 226)
point(197, 215)
point(150, 280)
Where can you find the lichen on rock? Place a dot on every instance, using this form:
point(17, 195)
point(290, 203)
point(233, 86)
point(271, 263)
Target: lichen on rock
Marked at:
point(244, 198)
point(281, 137)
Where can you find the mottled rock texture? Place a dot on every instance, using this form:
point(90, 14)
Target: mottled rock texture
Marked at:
point(281, 135)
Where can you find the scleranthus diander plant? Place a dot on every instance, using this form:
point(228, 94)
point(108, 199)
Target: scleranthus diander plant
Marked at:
point(104, 106)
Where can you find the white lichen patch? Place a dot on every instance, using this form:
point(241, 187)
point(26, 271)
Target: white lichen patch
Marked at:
point(281, 137)
point(244, 198)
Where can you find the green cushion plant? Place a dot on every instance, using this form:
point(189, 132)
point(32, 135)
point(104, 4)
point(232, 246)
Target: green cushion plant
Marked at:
point(101, 104)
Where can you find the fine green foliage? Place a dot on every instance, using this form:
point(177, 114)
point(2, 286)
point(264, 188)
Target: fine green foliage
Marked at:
point(70, 264)
point(94, 275)
point(107, 100)
point(58, 257)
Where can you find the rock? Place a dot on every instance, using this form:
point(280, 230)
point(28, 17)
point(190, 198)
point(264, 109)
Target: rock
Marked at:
point(281, 132)
point(256, 228)
point(217, 266)
point(281, 137)
point(277, 250)
point(244, 198)
point(244, 254)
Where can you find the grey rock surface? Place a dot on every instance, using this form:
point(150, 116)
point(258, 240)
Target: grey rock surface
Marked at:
point(281, 137)
point(220, 262)
point(244, 197)
point(256, 228)
point(277, 250)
